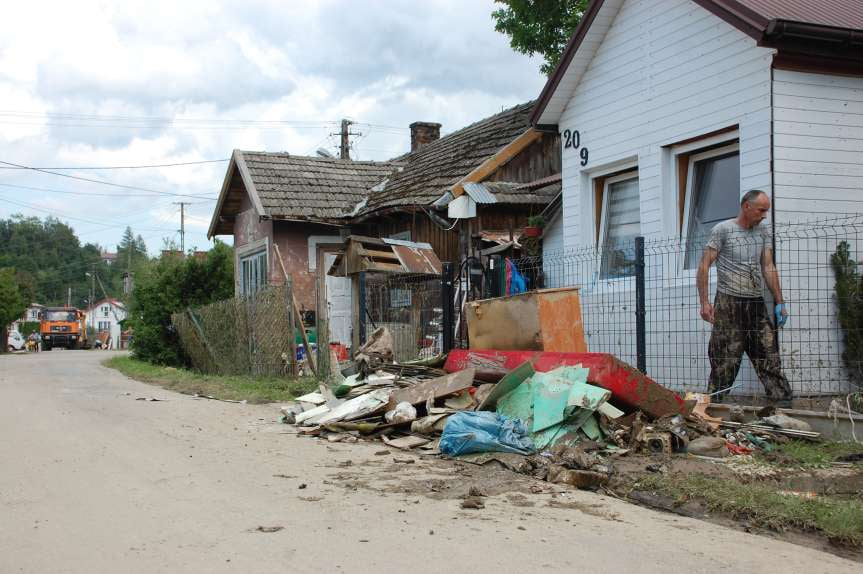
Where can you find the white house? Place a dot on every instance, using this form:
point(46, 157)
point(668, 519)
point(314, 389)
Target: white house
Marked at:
point(104, 318)
point(30, 315)
point(651, 95)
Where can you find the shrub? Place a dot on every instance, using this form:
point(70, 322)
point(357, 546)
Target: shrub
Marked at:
point(171, 284)
point(849, 288)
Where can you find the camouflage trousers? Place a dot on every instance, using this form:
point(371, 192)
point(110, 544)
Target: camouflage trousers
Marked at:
point(742, 325)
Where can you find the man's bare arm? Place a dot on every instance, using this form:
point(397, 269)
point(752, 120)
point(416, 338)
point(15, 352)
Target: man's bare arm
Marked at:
point(771, 275)
point(710, 255)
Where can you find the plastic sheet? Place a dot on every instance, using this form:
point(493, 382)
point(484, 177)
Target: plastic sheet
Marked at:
point(469, 432)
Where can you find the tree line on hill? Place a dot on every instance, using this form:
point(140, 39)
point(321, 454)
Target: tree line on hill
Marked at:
point(41, 260)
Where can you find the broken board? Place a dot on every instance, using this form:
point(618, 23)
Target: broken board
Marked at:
point(439, 387)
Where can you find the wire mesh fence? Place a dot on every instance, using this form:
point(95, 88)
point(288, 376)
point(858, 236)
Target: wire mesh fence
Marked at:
point(409, 305)
point(819, 351)
point(243, 335)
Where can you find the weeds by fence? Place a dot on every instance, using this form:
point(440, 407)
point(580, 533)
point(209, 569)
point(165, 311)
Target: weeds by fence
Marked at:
point(243, 335)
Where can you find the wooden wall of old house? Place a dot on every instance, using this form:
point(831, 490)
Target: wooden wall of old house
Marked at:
point(421, 227)
point(540, 159)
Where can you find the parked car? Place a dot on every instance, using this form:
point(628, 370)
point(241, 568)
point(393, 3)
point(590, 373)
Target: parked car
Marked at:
point(14, 341)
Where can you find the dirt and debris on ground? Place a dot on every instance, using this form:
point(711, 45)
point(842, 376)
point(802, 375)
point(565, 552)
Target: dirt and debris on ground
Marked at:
point(541, 433)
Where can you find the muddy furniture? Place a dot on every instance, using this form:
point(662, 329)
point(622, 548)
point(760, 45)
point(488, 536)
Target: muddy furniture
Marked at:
point(543, 320)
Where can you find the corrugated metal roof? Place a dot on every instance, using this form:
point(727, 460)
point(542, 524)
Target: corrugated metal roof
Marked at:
point(479, 192)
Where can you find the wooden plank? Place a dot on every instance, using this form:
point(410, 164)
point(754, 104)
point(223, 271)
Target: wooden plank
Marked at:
point(381, 254)
point(405, 442)
point(502, 156)
point(439, 387)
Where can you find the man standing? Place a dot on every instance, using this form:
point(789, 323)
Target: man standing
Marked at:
point(743, 253)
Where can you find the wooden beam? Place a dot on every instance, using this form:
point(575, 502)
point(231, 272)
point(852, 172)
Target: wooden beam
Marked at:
point(502, 156)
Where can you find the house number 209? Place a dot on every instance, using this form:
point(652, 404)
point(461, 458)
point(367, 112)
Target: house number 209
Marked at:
point(572, 139)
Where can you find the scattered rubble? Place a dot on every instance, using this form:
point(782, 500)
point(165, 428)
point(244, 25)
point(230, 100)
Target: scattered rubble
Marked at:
point(564, 418)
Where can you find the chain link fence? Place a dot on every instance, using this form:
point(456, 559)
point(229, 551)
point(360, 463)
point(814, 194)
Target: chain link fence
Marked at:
point(243, 335)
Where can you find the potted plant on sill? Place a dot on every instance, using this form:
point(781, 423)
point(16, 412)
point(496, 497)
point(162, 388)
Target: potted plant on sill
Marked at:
point(534, 226)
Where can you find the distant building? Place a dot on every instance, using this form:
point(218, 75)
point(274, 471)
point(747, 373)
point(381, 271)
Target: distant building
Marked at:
point(108, 258)
point(105, 318)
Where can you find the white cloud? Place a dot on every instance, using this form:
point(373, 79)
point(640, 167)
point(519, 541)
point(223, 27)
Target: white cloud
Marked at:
point(173, 75)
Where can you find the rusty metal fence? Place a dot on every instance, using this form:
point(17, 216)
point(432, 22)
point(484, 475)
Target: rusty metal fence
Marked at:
point(244, 335)
point(409, 305)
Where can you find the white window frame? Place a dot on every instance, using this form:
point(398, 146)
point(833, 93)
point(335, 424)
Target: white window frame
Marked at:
point(688, 205)
point(603, 220)
point(245, 289)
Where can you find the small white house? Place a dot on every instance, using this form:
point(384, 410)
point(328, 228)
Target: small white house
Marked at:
point(758, 93)
point(30, 315)
point(104, 318)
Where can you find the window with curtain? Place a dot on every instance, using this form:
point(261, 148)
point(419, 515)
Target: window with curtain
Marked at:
point(620, 225)
point(713, 195)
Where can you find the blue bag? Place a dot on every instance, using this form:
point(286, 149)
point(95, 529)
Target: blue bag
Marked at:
point(468, 431)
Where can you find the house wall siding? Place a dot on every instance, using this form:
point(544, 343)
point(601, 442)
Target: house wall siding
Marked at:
point(818, 142)
point(667, 71)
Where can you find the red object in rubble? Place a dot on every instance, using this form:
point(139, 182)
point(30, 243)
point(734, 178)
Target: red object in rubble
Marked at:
point(627, 384)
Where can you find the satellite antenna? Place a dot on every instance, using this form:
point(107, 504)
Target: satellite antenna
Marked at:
point(324, 153)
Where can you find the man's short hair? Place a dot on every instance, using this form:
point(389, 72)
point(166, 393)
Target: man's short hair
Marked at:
point(750, 196)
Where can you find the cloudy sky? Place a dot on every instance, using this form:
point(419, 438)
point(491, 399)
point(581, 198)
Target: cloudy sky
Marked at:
point(87, 85)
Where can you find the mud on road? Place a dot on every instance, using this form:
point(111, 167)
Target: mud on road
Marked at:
point(95, 480)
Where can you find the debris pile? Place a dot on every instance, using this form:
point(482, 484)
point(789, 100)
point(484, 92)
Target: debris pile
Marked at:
point(560, 417)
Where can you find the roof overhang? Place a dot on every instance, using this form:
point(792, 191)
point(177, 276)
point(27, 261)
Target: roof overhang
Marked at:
point(799, 45)
point(236, 164)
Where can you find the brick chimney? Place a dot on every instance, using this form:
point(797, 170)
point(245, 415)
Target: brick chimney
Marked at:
point(423, 133)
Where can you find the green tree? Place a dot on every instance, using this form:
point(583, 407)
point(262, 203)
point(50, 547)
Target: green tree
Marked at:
point(539, 26)
point(169, 285)
point(12, 303)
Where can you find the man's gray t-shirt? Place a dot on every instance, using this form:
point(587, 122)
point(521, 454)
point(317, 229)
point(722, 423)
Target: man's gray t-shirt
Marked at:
point(738, 265)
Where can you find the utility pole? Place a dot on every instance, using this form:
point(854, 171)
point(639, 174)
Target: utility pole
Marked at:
point(182, 205)
point(344, 139)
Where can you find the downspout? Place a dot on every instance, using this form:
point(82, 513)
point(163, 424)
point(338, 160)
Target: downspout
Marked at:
point(772, 166)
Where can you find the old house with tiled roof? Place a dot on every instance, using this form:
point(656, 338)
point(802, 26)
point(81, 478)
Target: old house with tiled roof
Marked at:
point(294, 202)
point(502, 150)
point(306, 205)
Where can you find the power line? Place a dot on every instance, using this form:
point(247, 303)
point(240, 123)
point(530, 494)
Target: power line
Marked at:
point(60, 213)
point(126, 166)
point(120, 185)
point(108, 117)
point(88, 193)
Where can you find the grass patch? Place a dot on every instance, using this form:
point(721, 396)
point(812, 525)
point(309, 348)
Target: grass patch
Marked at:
point(238, 387)
point(815, 455)
point(841, 520)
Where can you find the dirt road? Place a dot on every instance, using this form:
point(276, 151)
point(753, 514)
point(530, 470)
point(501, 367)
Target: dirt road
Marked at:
point(94, 480)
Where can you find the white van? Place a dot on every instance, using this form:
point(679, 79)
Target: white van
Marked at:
point(14, 341)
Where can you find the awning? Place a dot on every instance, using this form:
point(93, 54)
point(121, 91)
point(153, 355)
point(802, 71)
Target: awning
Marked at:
point(385, 255)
